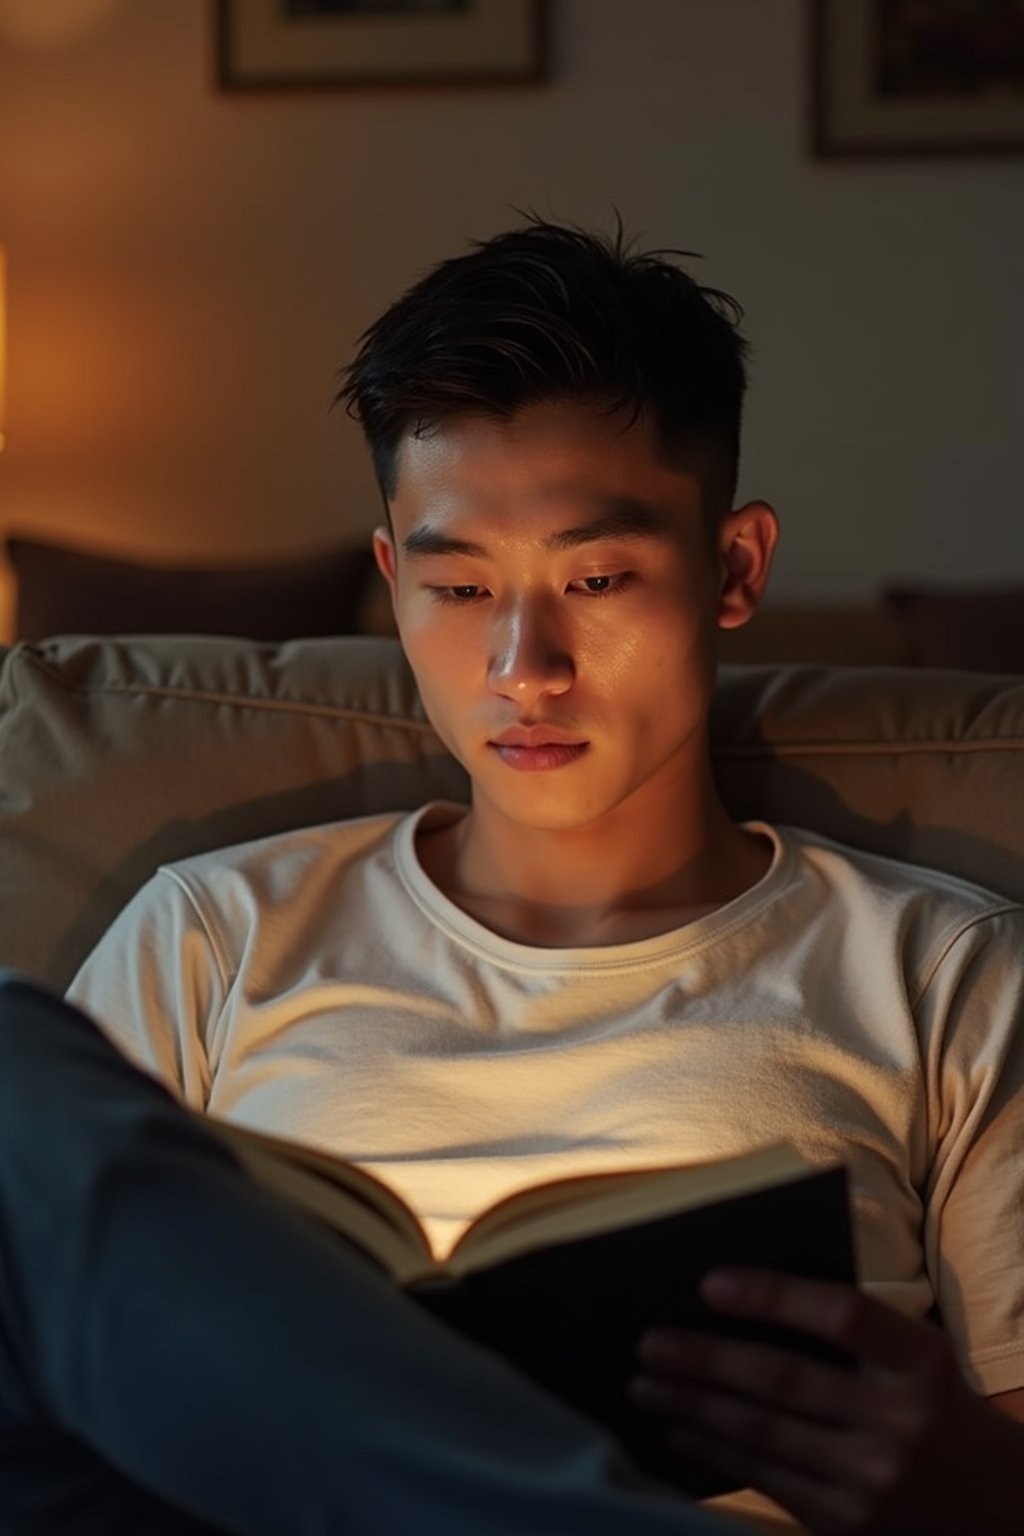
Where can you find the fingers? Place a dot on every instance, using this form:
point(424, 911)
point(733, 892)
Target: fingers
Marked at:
point(844, 1450)
point(751, 1414)
point(836, 1314)
point(752, 1424)
point(827, 1509)
point(808, 1389)
point(906, 1366)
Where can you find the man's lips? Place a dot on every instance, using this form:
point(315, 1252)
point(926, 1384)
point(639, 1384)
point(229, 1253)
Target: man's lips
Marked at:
point(536, 748)
point(536, 736)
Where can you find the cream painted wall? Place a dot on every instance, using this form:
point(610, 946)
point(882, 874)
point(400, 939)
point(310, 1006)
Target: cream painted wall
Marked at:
point(187, 270)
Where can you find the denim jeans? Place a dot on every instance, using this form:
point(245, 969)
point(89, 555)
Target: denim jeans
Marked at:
point(181, 1353)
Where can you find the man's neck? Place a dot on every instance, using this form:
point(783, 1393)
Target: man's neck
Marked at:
point(626, 880)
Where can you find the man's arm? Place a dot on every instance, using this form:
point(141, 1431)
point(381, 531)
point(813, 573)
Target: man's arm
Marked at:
point(153, 983)
point(901, 1445)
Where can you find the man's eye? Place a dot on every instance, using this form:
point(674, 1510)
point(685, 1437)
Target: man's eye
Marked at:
point(602, 586)
point(468, 592)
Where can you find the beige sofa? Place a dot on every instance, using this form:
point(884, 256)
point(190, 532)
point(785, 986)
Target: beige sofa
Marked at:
point(116, 755)
point(119, 754)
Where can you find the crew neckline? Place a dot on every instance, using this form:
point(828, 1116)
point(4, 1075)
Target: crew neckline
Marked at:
point(473, 935)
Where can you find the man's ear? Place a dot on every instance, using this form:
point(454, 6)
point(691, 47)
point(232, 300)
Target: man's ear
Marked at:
point(384, 554)
point(746, 544)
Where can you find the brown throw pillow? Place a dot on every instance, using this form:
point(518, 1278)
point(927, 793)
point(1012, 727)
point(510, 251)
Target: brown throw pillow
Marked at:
point(974, 630)
point(63, 591)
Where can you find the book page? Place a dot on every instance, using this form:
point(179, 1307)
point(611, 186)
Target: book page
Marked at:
point(346, 1197)
point(601, 1202)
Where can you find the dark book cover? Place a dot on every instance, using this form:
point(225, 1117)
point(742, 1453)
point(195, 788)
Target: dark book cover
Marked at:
point(571, 1315)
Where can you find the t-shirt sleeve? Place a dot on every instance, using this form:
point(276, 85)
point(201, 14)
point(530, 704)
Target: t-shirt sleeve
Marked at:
point(972, 1016)
point(155, 983)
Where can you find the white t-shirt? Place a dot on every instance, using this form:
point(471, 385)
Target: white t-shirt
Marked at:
point(318, 985)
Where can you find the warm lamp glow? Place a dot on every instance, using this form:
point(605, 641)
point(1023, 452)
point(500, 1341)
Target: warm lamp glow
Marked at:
point(3, 349)
point(52, 23)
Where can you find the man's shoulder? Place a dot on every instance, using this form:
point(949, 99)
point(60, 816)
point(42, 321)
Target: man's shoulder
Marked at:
point(294, 851)
point(897, 887)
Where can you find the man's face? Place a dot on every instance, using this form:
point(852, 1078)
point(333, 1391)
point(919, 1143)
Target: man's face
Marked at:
point(557, 594)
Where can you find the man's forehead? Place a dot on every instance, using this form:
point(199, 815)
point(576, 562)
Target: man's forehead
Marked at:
point(556, 475)
point(617, 517)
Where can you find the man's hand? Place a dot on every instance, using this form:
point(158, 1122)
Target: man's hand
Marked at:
point(900, 1447)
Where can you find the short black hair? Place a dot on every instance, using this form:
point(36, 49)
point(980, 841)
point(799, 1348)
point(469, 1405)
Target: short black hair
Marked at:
point(549, 312)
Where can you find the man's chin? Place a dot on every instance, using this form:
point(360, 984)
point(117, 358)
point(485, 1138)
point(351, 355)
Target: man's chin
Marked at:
point(534, 806)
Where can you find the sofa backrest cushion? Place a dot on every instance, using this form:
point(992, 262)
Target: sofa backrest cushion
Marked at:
point(117, 755)
point(62, 590)
point(975, 628)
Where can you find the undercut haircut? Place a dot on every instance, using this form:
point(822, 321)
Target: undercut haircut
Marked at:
point(549, 312)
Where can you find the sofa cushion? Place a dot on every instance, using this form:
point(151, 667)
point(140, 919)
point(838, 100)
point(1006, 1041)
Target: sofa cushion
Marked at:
point(117, 755)
point(980, 630)
point(822, 634)
point(62, 591)
point(920, 765)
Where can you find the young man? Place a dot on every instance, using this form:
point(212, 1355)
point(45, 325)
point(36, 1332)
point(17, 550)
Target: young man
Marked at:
point(593, 966)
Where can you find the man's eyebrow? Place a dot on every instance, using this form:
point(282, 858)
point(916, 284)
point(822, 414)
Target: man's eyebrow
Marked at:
point(622, 518)
point(430, 541)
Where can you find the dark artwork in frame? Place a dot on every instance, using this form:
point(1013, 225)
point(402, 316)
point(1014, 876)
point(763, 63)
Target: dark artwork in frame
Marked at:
point(898, 77)
point(372, 7)
point(944, 48)
point(267, 45)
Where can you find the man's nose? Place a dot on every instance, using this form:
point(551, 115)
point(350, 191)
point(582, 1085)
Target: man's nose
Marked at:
point(530, 653)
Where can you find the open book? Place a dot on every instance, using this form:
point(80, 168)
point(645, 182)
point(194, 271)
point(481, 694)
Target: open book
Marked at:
point(563, 1278)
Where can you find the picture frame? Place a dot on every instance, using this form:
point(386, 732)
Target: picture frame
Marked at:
point(893, 77)
point(344, 44)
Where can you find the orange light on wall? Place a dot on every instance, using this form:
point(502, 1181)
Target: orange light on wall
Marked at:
point(3, 349)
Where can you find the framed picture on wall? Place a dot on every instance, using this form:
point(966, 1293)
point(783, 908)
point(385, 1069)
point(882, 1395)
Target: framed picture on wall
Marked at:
point(898, 77)
point(303, 44)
